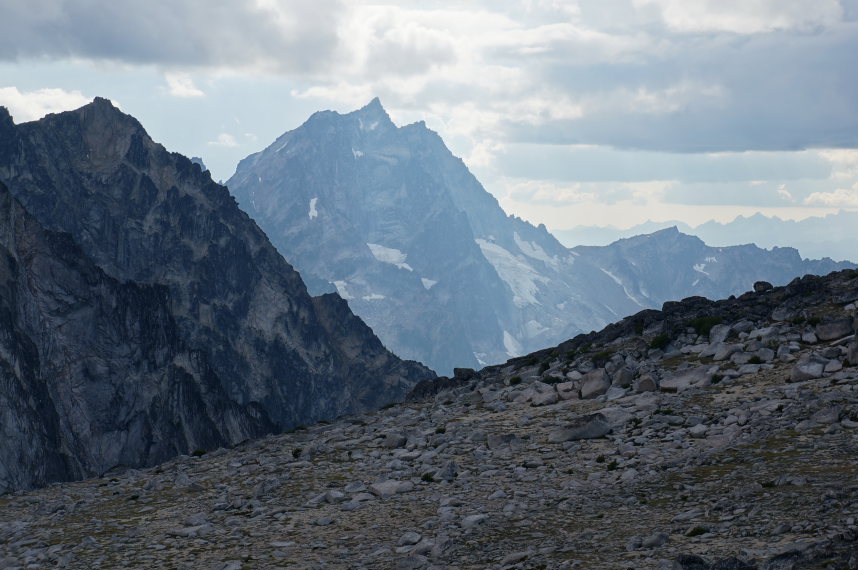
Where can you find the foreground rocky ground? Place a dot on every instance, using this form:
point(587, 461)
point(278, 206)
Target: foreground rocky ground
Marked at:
point(705, 436)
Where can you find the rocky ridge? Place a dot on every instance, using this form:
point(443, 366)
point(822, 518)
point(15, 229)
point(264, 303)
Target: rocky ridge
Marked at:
point(145, 315)
point(708, 435)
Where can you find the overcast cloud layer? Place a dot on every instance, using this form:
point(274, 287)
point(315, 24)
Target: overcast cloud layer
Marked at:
point(651, 104)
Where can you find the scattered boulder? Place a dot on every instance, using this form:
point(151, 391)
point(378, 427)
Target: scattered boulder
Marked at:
point(587, 427)
point(595, 383)
point(833, 330)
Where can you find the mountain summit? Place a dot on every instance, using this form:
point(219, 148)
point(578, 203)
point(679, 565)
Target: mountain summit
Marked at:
point(433, 264)
point(145, 315)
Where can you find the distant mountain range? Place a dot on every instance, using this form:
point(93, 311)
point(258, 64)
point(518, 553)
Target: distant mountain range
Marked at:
point(831, 236)
point(431, 262)
point(143, 315)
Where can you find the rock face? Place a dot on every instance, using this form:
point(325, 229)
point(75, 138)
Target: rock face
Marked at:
point(145, 315)
point(753, 471)
point(433, 264)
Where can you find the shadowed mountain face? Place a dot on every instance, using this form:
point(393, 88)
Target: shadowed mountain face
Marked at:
point(428, 258)
point(145, 315)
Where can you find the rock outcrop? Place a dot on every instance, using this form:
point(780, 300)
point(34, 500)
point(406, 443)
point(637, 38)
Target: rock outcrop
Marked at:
point(147, 316)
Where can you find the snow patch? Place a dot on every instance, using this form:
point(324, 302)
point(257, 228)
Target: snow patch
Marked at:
point(357, 153)
point(533, 250)
point(699, 268)
point(512, 346)
point(534, 328)
point(428, 283)
point(369, 127)
point(696, 281)
point(711, 260)
point(520, 276)
point(373, 297)
point(621, 284)
point(341, 289)
point(479, 356)
point(313, 211)
point(282, 146)
point(389, 255)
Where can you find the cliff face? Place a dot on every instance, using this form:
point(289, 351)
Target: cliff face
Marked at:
point(145, 315)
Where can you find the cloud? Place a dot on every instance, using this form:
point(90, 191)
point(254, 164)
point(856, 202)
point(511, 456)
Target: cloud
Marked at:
point(744, 16)
point(224, 140)
point(294, 36)
point(181, 85)
point(841, 198)
point(32, 105)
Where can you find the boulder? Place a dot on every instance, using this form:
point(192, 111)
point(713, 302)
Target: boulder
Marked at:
point(761, 286)
point(699, 376)
point(645, 383)
point(852, 353)
point(596, 383)
point(719, 333)
point(834, 329)
point(587, 427)
point(807, 368)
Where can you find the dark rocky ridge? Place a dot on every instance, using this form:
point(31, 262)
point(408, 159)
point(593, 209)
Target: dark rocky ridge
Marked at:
point(172, 281)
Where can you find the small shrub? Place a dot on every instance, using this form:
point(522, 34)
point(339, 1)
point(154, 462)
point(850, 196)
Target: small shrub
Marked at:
point(515, 381)
point(639, 328)
point(427, 477)
point(767, 484)
point(601, 357)
point(813, 321)
point(440, 429)
point(198, 452)
point(533, 362)
point(388, 406)
point(543, 367)
point(553, 380)
point(600, 459)
point(664, 411)
point(755, 360)
point(296, 453)
point(703, 325)
point(717, 378)
point(612, 466)
point(660, 342)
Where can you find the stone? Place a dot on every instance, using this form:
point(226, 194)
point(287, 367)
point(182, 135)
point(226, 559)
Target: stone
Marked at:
point(471, 521)
point(808, 367)
point(719, 333)
point(587, 427)
point(409, 538)
point(700, 376)
point(393, 440)
point(655, 540)
point(389, 488)
point(645, 383)
point(725, 350)
point(762, 286)
point(595, 383)
point(624, 377)
point(852, 353)
point(835, 329)
point(545, 398)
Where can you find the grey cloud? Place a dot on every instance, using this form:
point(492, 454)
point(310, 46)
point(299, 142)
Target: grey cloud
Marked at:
point(172, 32)
point(782, 91)
point(597, 164)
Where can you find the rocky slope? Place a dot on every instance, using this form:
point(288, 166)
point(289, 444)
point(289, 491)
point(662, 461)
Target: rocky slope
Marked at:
point(145, 315)
point(706, 436)
point(434, 265)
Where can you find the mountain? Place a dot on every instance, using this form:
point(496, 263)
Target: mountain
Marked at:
point(668, 264)
point(429, 259)
point(145, 315)
point(831, 236)
point(733, 448)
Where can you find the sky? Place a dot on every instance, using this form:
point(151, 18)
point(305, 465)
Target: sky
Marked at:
point(580, 112)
